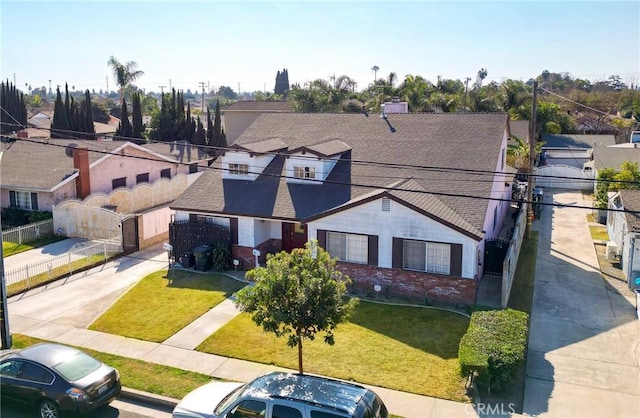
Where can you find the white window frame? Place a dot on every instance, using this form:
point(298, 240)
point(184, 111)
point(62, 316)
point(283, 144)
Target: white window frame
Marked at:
point(239, 169)
point(352, 248)
point(304, 172)
point(23, 200)
point(433, 257)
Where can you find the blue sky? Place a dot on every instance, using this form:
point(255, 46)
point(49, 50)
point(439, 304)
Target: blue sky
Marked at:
point(247, 42)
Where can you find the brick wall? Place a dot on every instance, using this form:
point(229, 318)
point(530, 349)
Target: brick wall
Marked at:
point(246, 257)
point(410, 284)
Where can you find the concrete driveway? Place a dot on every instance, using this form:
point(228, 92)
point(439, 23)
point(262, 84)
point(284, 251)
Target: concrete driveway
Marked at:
point(41, 253)
point(583, 344)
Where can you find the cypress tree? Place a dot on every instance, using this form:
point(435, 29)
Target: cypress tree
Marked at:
point(136, 116)
point(189, 125)
point(124, 127)
point(60, 124)
point(209, 140)
point(199, 136)
point(88, 116)
point(14, 113)
point(180, 122)
point(219, 137)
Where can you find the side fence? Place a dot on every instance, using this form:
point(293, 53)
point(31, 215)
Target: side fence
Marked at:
point(511, 260)
point(28, 233)
point(35, 274)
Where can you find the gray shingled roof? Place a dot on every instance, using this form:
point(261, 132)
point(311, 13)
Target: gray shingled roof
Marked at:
point(39, 165)
point(577, 141)
point(613, 157)
point(631, 202)
point(520, 128)
point(423, 147)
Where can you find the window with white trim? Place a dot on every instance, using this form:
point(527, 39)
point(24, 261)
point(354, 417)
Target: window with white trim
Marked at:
point(239, 169)
point(348, 247)
point(23, 200)
point(431, 257)
point(301, 172)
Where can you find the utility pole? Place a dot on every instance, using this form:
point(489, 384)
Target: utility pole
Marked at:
point(202, 85)
point(532, 158)
point(106, 78)
point(169, 84)
point(50, 92)
point(162, 90)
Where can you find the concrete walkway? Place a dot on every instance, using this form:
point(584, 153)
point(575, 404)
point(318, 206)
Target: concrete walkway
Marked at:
point(61, 312)
point(583, 343)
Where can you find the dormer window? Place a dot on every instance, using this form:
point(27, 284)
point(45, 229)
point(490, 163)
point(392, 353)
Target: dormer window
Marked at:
point(301, 172)
point(239, 169)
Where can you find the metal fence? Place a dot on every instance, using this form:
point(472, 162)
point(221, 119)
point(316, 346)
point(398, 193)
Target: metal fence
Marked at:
point(511, 260)
point(44, 271)
point(28, 233)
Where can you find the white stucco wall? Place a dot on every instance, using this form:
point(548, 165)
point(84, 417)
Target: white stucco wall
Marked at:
point(400, 222)
point(117, 166)
point(499, 190)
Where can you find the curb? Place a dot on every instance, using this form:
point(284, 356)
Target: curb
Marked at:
point(149, 398)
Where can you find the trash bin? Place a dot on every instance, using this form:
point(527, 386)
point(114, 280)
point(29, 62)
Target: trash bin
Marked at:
point(187, 260)
point(202, 256)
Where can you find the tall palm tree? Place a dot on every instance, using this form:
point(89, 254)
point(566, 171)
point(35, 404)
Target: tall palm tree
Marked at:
point(375, 69)
point(124, 73)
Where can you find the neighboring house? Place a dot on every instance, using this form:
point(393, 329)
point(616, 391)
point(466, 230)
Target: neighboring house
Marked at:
point(563, 158)
point(405, 202)
point(572, 150)
point(613, 157)
point(39, 126)
point(520, 129)
point(39, 174)
point(623, 227)
point(239, 115)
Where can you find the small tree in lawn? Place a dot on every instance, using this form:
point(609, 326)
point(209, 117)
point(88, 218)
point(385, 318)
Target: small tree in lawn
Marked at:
point(298, 294)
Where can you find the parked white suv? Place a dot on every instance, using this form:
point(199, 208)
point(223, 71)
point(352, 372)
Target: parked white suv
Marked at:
point(282, 395)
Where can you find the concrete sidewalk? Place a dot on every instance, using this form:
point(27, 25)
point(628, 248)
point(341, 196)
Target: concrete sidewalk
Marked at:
point(62, 312)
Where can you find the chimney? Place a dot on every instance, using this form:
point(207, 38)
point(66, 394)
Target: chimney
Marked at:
point(81, 163)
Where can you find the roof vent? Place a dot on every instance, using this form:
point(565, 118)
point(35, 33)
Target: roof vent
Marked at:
point(386, 204)
point(395, 99)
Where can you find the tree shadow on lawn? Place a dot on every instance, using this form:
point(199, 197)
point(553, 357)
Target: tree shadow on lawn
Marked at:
point(434, 331)
point(188, 279)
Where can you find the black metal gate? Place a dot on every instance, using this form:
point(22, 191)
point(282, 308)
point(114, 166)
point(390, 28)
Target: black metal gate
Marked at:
point(495, 250)
point(184, 236)
point(130, 240)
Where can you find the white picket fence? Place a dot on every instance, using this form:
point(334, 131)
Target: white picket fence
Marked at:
point(35, 274)
point(28, 233)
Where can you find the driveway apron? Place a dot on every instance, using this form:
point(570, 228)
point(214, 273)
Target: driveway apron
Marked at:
point(582, 358)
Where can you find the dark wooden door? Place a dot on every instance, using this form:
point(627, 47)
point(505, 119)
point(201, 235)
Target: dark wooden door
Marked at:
point(130, 241)
point(294, 235)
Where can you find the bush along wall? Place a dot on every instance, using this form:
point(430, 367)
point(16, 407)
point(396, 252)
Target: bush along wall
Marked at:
point(493, 348)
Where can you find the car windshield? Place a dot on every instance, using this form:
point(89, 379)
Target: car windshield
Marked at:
point(77, 366)
point(228, 400)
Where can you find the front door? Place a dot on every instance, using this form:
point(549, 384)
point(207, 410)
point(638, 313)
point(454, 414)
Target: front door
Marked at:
point(294, 235)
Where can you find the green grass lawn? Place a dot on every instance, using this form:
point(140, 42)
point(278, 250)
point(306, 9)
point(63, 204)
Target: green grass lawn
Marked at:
point(11, 248)
point(163, 303)
point(140, 375)
point(411, 349)
point(599, 233)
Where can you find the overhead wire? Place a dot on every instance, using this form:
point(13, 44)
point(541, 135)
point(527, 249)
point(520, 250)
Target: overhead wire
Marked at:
point(377, 187)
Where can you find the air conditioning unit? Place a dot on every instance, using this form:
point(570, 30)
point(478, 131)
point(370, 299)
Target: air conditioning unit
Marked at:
point(612, 250)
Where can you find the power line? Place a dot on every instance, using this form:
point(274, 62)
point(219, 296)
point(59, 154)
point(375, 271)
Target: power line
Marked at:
point(438, 169)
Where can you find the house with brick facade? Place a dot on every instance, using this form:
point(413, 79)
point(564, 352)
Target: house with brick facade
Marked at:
point(403, 201)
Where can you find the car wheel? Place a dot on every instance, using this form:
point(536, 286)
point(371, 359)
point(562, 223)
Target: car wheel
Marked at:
point(48, 409)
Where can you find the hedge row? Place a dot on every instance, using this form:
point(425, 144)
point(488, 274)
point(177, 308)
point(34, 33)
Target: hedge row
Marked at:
point(493, 347)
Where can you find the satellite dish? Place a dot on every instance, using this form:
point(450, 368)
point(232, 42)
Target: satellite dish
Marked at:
point(69, 149)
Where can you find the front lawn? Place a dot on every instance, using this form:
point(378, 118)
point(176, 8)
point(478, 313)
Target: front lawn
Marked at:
point(163, 303)
point(11, 248)
point(412, 349)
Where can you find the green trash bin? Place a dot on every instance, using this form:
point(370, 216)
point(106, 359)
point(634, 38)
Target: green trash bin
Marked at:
point(202, 255)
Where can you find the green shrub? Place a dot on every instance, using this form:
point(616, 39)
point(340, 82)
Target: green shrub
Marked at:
point(221, 257)
point(12, 217)
point(493, 348)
